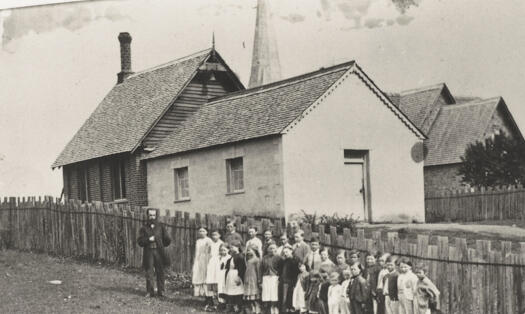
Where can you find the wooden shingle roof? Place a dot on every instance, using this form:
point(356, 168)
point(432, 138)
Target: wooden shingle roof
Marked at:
point(263, 111)
point(456, 127)
point(417, 103)
point(129, 110)
point(248, 114)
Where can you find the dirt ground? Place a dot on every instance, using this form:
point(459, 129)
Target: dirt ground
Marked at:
point(85, 288)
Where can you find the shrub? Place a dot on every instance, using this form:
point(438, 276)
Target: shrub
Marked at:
point(340, 223)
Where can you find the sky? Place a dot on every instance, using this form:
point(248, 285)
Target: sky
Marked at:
point(57, 62)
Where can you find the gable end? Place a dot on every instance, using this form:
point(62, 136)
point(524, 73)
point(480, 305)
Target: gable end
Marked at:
point(356, 70)
point(212, 79)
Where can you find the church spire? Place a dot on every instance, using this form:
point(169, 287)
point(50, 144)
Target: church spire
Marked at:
point(265, 58)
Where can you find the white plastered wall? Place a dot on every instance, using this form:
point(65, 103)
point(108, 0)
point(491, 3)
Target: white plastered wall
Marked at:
point(352, 117)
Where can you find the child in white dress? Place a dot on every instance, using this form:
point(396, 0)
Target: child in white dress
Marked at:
point(335, 295)
point(200, 263)
point(234, 286)
point(212, 272)
point(224, 256)
point(345, 307)
point(406, 287)
point(298, 297)
point(270, 280)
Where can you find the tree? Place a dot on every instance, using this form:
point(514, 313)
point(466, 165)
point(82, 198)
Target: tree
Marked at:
point(499, 160)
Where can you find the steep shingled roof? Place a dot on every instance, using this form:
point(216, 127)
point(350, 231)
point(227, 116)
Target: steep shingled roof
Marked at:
point(128, 111)
point(262, 111)
point(457, 126)
point(257, 112)
point(417, 103)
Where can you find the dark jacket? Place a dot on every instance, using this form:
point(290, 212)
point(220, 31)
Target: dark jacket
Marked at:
point(162, 240)
point(358, 290)
point(371, 274)
point(323, 292)
point(288, 271)
point(392, 286)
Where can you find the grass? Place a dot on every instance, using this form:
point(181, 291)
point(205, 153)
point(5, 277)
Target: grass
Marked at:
point(85, 288)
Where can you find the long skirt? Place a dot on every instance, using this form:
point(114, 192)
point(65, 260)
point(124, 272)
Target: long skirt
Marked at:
point(233, 284)
point(270, 289)
point(220, 286)
point(298, 297)
point(345, 306)
point(213, 270)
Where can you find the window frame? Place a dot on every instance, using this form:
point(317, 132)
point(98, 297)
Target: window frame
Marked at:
point(118, 174)
point(83, 184)
point(179, 197)
point(232, 178)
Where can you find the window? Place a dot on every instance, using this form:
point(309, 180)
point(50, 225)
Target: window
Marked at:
point(83, 184)
point(234, 175)
point(182, 184)
point(118, 180)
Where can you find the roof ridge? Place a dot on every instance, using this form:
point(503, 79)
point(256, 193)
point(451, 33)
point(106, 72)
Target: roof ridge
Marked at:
point(172, 62)
point(282, 83)
point(481, 101)
point(421, 89)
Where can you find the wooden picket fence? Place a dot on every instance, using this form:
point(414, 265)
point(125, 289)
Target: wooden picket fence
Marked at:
point(471, 204)
point(472, 279)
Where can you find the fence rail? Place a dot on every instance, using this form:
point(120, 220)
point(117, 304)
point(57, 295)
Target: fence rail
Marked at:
point(475, 279)
point(499, 203)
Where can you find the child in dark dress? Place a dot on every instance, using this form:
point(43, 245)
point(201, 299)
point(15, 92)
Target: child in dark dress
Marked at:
point(270, 280)
point(288, 271)
point(359, 292)
point(371, 274)
point(313, 284)
point(323, 292)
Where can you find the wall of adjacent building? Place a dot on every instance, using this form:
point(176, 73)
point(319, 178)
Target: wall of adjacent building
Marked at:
point(442, 178)
point(263, 191)
point(100, 183)
point(352, 117)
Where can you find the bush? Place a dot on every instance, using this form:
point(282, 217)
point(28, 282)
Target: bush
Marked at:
point(340, 223)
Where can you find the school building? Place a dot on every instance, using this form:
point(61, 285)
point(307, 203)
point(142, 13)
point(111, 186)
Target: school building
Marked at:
point(188, 136)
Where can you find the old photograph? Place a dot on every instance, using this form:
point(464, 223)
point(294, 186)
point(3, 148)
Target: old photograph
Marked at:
point(262, 156)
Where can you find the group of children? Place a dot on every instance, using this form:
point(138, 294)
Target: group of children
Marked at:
point(263, 277)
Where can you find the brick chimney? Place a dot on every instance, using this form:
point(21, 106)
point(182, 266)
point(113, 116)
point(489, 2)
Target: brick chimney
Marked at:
point(125, 57)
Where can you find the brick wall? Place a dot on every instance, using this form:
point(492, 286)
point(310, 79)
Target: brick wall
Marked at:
point(442, 178)
point(94, 180)
point(136, 181)
point(71, 188)
point(100, 183)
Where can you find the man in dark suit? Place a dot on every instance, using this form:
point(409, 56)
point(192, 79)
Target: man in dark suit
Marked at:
point(154, 238)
